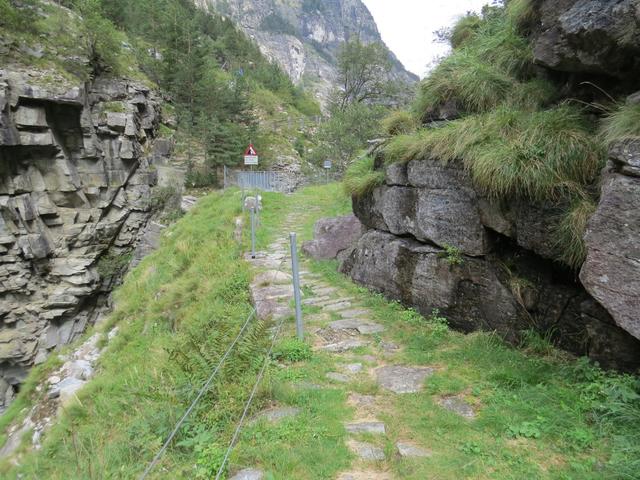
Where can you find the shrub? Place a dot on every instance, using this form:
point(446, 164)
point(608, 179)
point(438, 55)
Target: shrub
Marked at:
point(623, 122)
point(452, 255)
point(361, 177)
point(292, 350)
point(399, 122)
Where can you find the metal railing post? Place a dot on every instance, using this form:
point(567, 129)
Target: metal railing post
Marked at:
point(296, 285)
point(253, 232)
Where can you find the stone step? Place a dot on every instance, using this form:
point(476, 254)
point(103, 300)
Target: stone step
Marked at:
point(366, 451)
point(402, 379)
point(344, 346)
point(374, 428)
point(362, 326)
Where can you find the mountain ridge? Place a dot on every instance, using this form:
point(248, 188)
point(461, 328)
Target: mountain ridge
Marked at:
point(304, 36)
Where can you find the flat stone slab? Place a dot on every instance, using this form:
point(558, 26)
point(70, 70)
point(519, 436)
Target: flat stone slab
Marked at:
point(274, 415)
point(408, 450)
point(365, 475)
point(355, 312)
point(366, 451)
point(362, 326)
point(272, 277)
point(338, 377)
point(337, 306)
point(248, 474)
point(353, 368)
point(402, 379)
point(344, 346)
point(362, 401)
point(376, 428)
point(458, 405)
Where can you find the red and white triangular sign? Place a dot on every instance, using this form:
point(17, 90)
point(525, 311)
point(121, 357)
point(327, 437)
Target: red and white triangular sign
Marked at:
point(251, 151)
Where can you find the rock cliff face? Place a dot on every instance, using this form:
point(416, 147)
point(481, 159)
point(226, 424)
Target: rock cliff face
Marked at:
point(303, 36)
point(435, 243)
point(75, 182)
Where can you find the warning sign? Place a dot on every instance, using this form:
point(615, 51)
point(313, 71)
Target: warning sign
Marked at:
point(250, 156)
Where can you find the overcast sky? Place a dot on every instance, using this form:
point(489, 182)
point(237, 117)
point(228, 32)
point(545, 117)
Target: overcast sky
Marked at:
point(407, 27)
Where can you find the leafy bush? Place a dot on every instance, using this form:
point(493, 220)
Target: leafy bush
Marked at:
point(292, 350)
point(452, 255)
point(361, 177)
point(399, 122)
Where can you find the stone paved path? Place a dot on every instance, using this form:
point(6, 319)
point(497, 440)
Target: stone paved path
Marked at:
point(342, 326)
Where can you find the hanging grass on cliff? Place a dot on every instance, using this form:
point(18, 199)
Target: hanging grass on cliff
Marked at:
point(361, 177)
point(509, 130)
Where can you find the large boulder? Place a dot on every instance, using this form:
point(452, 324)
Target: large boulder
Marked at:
point(470, 294)
point(611, 272)
point(333, 236)
point(437, 203)
point(589, 36)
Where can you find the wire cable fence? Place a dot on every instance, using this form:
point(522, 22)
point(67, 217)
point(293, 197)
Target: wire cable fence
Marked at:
point(206, 386)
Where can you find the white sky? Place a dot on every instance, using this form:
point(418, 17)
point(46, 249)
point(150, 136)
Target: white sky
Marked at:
point(407, 27)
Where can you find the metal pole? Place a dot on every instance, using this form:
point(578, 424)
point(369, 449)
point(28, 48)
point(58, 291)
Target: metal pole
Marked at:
point(253, 233)
point(224, 182)
point(296, 285)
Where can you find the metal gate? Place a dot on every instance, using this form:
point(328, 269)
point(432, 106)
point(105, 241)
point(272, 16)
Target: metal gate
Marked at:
point(269, 181)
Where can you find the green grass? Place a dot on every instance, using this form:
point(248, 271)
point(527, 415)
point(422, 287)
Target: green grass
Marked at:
point(399, 122)
point(465, 29)
point(176, 314)
point(622, 123)
point(361, 177)
point(571, 229)
point(532, 155)
point(491, 66)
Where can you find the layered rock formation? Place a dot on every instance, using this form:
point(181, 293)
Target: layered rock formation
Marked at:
point(435, 243)
point(304, 37)
point(75, 183)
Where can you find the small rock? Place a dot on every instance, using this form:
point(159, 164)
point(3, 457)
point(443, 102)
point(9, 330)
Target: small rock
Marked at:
point(408, 450)
point(362, 326)
point(376, 428)
point(365, 475)
point(354, 313)
point(344, 346)
point(54, 379)
point(353, 368)
point(457, 405)
point(248, 474)
point(274, 415)
point(338, 377)
point(401, 379)
point(366, 451)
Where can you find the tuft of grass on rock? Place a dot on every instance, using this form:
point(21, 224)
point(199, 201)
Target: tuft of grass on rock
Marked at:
point(465, 29)
point(361, 177)
point(622, 123)
point(399, 122)
point(569, 233)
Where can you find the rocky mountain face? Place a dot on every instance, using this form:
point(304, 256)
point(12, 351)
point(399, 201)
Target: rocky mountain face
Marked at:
point(76, 173)
point(304, 36)
point(434, 241)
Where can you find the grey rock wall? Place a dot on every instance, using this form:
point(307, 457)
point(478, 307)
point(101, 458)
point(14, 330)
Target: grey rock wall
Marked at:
point(611, 272)
point(75, 183)
point(502, 278)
